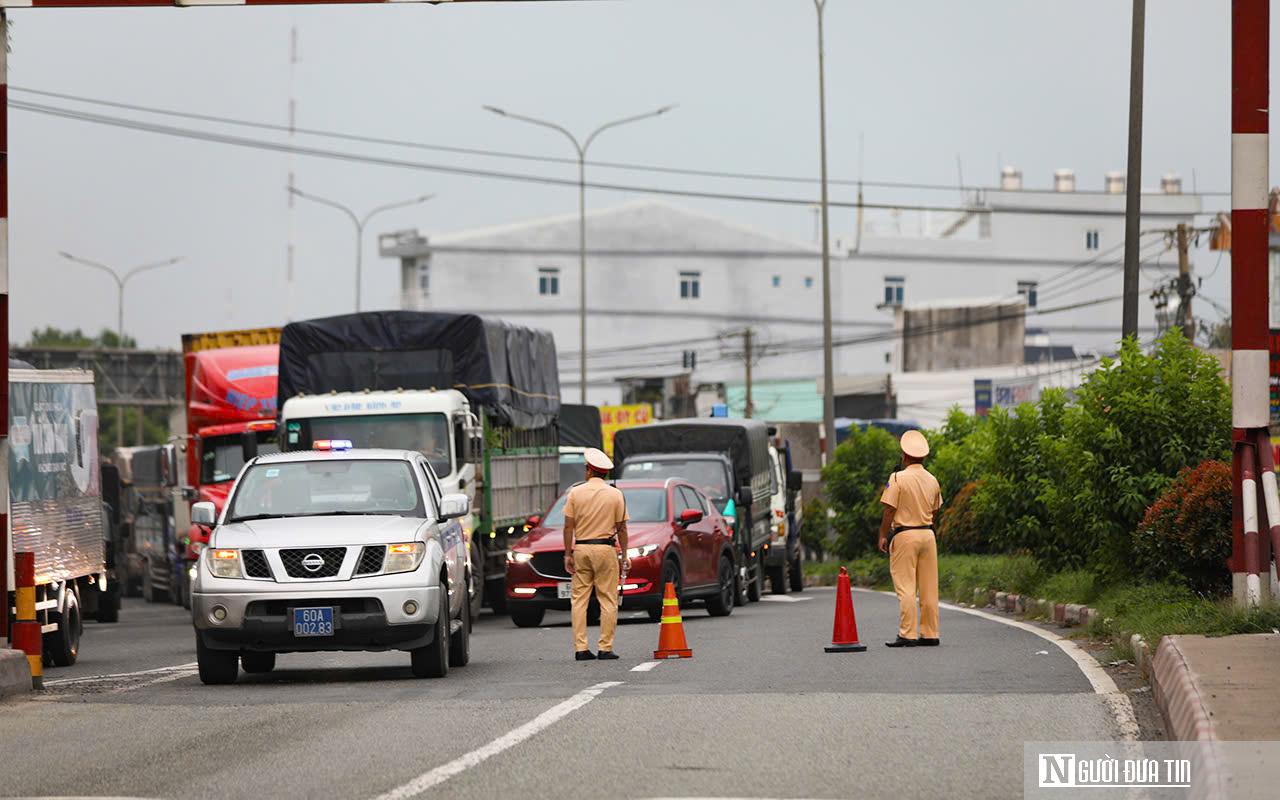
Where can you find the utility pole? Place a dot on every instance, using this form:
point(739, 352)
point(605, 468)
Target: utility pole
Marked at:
point(1185, 289)
point(1133, 178)
point(828, 378)
point(746, 354)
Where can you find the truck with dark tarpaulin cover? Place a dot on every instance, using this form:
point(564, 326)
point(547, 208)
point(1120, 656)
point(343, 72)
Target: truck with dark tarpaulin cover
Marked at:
point(480, 398)
point(728, 459)
point(580, 429)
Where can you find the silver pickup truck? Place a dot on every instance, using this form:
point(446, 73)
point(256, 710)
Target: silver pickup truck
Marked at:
point(332, 549)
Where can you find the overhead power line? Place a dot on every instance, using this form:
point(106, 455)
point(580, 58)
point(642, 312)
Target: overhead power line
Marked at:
point(475, 151)
point(384, 161)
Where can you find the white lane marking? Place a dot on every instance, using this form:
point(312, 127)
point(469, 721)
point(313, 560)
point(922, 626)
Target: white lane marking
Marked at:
point(782, 598)
point(444, 772)
point(161, 679)
point(1117, 701)
point(93, 678)
point(646, 666)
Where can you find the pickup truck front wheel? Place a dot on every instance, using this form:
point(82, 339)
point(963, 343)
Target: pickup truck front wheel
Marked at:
point(216, 666)
point(432, 661)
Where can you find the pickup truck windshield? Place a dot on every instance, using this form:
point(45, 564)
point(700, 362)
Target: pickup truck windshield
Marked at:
point(426, 433)
point(316, 488)
point(221, 457)
point(707, 474)
point(643, 505)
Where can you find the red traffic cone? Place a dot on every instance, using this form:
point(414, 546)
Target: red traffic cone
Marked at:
point(671, 642)
point(844, 637)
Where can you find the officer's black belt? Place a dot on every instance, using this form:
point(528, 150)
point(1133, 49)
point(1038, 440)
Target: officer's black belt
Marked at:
point(896, 531)
point(594, 541)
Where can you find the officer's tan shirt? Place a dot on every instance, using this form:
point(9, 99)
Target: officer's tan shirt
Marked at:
point(914, 494)
point(596, 508)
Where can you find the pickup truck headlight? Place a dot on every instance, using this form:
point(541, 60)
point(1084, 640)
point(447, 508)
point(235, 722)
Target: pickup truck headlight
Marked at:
point(518, 558)
point(225, 564)
point(641, 551)
point(405, 557)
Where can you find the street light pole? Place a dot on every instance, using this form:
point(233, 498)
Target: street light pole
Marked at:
point(828, 379)
point(360, 224)
point(582, 218)
point(120, 282)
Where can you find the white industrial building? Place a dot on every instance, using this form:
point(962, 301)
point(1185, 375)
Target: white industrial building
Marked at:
point(664, 282)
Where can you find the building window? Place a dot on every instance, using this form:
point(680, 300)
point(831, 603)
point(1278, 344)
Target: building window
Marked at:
point(777, 281)
point(548, 280)
point(893, 291)
point(424, 279)
point(808, 282)
point(1090, 240)
point(689, 285)
point(1028, 290)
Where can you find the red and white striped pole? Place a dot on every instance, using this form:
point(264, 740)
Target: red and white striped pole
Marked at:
point(1250, 366)
point(5, 567)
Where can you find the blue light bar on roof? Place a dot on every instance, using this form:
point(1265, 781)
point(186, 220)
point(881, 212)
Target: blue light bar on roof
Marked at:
point(332, 444)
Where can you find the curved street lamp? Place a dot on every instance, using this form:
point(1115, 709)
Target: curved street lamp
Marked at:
point(120, 281)
point(581, 147)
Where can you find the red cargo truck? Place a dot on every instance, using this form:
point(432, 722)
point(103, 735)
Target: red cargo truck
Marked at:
point(231, 411)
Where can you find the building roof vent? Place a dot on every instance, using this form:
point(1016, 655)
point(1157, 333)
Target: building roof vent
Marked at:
point(1064, 180)
point(1114, 182)
point(1011, 179)
point(1171, 184)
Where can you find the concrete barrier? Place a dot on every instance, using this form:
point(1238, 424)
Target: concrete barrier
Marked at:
point(15, 673)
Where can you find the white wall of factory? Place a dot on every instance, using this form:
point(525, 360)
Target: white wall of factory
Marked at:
point(644, 259)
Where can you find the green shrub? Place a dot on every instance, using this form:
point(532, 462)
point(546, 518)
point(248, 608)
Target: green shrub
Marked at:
point(1071, 586)
point(854, 480)
point(958, 528)
point(815, 528)
point(1156, 610)
point(1186, 533)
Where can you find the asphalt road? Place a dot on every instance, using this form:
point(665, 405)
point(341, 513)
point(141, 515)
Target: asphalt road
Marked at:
point(759, 711)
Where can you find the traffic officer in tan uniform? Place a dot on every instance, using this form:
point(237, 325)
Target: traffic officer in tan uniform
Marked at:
point(911, 499)
point(594, 514)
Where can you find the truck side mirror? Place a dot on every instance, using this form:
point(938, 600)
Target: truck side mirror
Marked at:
point(249, 445)
point(745, 496)
point(795, 480)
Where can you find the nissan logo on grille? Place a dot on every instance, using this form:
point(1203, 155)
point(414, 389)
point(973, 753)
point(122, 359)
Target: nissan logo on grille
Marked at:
point(312, 562)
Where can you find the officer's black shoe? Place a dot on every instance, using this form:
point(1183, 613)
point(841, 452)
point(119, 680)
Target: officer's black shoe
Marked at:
point(607, 655)
point(901, 642)
point(928, 642)
point(585, 655)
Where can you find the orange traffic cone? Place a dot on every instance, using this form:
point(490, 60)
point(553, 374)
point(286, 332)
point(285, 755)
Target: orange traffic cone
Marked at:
point(671, 642)
point(844, 637)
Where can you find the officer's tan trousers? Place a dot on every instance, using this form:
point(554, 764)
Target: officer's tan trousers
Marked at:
point(595, 566)
point(913, 562)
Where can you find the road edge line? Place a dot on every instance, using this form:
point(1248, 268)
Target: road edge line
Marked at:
point(1117, 702)
point(438, 775)
point(97, 678)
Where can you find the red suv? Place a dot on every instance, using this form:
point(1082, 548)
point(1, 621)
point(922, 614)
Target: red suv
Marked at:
point(675, 536)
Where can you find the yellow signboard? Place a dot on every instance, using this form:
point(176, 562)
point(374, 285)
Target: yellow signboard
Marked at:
point(615, 418)
point(195, 342)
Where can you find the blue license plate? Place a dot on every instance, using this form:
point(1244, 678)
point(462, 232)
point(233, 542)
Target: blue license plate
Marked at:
point(313, 622)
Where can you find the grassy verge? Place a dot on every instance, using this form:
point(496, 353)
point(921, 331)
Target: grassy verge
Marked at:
point(1153, 610)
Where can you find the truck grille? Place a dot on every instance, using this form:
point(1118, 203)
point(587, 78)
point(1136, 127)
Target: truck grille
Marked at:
point(255, 564)
point(550, 564)
point(371, 559)
point(331, 562)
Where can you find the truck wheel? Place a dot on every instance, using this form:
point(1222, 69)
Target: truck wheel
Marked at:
point(64, 643)
point(216, 666)
point(432, 661)
point(740, 581)
point(721, 604)
point(797, 574)
point(460, 642)
point(257, 663)
point(149, 591)
point(179, 584)
point(778, 579)
point(495, 592)
point(755, 586)
point(527, 617)
point(109, 604)
point(188, 585)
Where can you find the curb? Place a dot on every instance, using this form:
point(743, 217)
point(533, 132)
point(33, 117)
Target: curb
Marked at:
point(1177, 696)
point(15, 673)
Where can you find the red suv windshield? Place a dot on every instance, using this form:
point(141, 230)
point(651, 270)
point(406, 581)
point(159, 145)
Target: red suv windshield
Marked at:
point(643, 505)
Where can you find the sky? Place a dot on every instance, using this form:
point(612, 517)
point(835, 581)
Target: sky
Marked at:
point(923, 85)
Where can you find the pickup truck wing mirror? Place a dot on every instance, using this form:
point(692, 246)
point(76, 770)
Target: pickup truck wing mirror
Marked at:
point(453, 506)
point(204, 514)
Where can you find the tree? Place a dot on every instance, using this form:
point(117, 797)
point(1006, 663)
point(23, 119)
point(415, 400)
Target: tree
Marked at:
point(854, 480)
point(57, 337)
